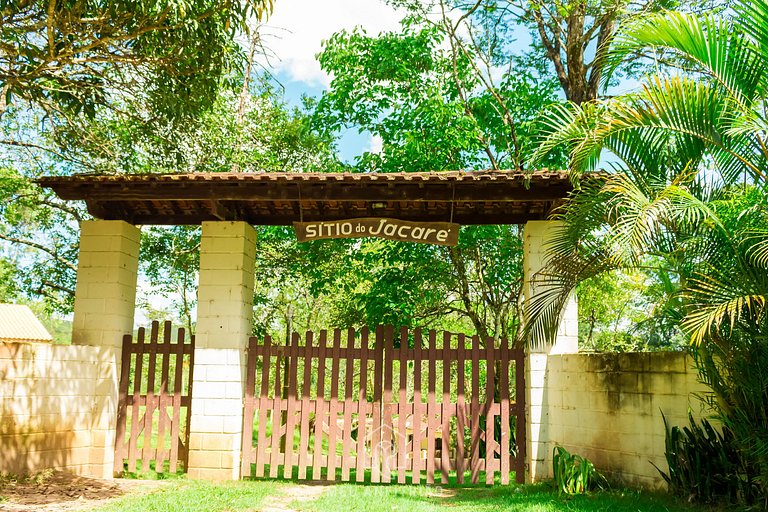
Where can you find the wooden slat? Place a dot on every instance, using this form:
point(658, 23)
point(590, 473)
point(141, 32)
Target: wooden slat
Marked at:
point(504, 399)
point(178, 376)
point(520, 428)
point(347, 441)
point(475, 411)
point(431, 408)
point(163, 399)
point(402, 400)
point(416, 421)
point(362, 408)
point(249, 408)
point(378, 360)
point(333, 407)
point(277, 410)
point(490, 443)
point(132, 452)
point(261, 436)
point(386, 406)
point(320, 408)
point(446, 410)
point(149, 411)
point(191, 380)
point(293, 400)
point(461, 409)
point(305, 406)
point(122, 405)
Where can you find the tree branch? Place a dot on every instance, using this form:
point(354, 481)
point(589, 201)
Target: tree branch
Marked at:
point(40, 247)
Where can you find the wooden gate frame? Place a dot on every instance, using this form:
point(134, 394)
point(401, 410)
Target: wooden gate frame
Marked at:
point(387, 451)
point(156, 400)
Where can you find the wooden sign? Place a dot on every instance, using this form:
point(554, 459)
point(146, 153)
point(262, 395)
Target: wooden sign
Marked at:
point(440, 233)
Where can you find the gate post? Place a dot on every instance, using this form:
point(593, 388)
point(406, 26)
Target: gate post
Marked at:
point(105, 301)
point(224, 317)
point(539, 423)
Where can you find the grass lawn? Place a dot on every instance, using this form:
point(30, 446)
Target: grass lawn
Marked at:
point(189, 496)
point(197, 496)
point(530, 498)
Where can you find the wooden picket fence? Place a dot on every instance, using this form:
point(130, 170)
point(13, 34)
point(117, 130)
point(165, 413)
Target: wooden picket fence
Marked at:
point(389, 412)
point(154, 402)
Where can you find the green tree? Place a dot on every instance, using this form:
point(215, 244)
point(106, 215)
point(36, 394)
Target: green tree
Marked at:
point(690, 192)
point(68, 57)
point(428, 104)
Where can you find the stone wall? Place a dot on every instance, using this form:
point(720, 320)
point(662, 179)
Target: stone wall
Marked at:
point(607, 407)
point(56, 407)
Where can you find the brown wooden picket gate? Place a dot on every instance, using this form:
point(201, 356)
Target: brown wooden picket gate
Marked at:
point(394, 407)
point(154, 407)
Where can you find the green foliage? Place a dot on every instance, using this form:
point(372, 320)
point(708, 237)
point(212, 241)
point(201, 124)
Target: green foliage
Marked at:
point(370, 282)
point(430, 108)
point(705, 465)
point(627, 311)
point(573, 474)
point(39, 238)
point(689, 199)
point(72, 57)
point(170, 259)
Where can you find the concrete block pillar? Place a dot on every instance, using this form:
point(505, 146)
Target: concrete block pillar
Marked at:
point(536, 235)
point(105, 295)
point(224, 316)
point(105, 301)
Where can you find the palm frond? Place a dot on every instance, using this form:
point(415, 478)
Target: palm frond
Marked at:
point(715, 44)
point(751, 15)
point(716, 304)
point(694, 114)
point(573, 127)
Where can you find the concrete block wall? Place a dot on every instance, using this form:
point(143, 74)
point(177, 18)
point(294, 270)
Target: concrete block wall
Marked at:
point(54, 408)
point(607, 407)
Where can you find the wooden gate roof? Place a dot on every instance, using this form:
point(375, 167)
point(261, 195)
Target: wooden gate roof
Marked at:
point(467, 197)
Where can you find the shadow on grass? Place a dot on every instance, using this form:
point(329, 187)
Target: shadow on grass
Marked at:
point(367, 479)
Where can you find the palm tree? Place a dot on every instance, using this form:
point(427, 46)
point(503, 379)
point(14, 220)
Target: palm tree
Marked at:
point(688, 194)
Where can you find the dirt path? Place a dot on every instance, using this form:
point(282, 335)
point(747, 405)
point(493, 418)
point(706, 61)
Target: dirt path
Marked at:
point(63, 492)
point(301, 492)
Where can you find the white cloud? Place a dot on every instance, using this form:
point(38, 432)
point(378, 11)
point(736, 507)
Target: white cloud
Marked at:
point(375, 144)
point(295, 30)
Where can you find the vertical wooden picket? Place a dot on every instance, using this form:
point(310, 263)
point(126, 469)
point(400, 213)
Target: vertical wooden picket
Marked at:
point(362, 408)
point(490, 442)
point(416, 419)
point(475, 411)
point(261, 437)
point(347, 442)
point(504, 399)
point(431, 408)
point(461, 409)
point(403, 408)
point(333, 406)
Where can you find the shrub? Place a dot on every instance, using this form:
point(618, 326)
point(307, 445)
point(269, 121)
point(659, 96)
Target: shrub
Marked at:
point(705, 465)
point(574, 474)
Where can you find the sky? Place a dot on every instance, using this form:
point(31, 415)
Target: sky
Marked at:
point(294, 34)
